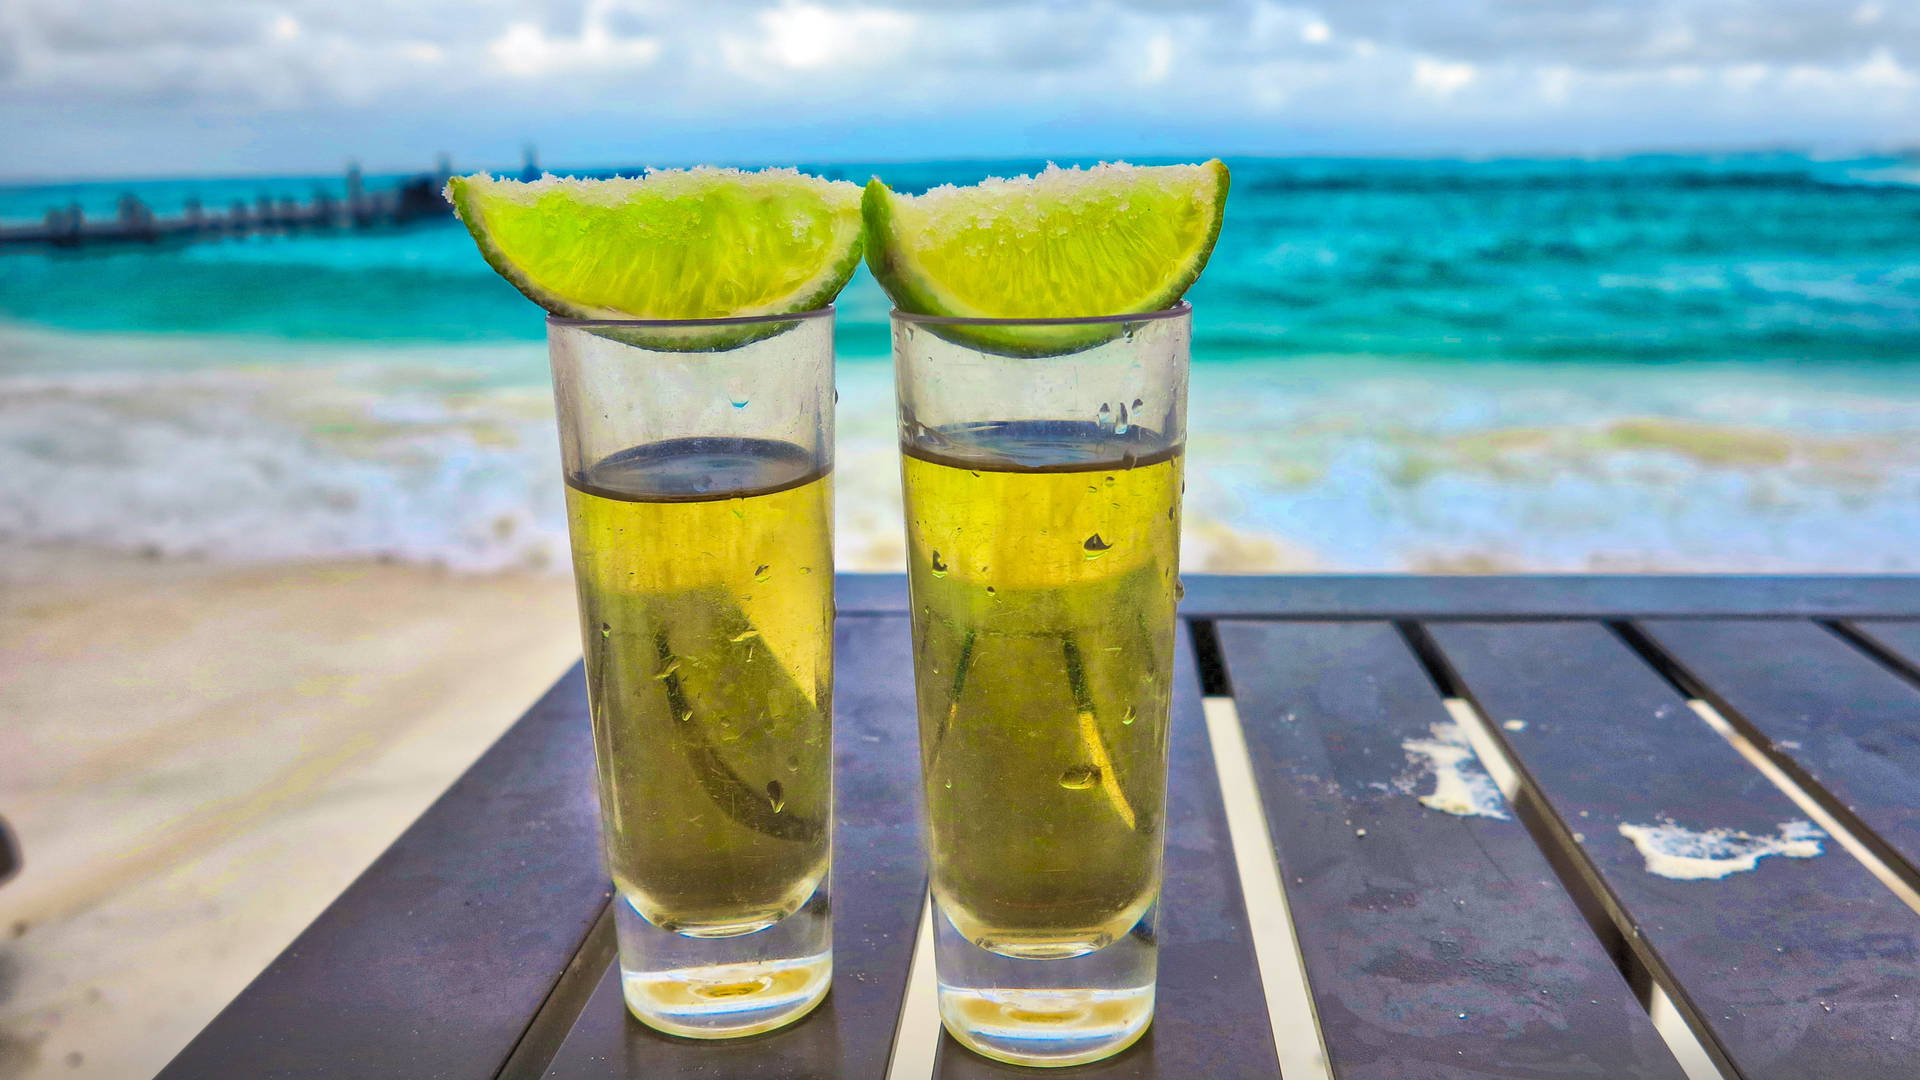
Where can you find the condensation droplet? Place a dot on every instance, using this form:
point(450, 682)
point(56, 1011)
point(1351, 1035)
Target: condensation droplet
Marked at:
point(606, 630)
point(776, 796)
point(761, 574)
point(1080, 777)
point(1136, 404)
point(793, 762)
point(1122, 427)
point(1179, 591)
point(1104, 418)
point(673, 665)
point(939, 568)
point(1095, 546)
point(990, 591)
point(744, 635)
point(1126, 718)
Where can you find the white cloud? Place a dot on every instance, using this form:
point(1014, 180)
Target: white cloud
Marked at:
point(525, 50)
point(1442, 78)
point(87, 81)
point(811, 36)
point(1159, 60)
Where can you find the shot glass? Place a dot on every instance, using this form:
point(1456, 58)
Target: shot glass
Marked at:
point(698, 465)
point(1043, 525)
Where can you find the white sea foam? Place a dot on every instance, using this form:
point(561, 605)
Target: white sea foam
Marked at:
point(446, 455)
point(1682, 854)
point(260, 465)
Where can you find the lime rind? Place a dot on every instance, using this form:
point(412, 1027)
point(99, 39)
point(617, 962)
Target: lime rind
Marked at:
point(700, 243)
point(1111, 240)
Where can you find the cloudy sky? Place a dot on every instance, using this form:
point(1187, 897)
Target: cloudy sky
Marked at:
point(152, 87)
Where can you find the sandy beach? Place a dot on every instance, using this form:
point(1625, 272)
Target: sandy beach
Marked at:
point(198, 758)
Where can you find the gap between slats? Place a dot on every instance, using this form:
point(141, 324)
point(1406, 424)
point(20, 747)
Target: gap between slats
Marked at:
point(540, 1042)
point(1685, 1035)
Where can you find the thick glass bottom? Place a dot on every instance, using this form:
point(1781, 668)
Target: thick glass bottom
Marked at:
point(1046, 1027)
point(708, 987)
point(726, 1001)
point(1046, 1010)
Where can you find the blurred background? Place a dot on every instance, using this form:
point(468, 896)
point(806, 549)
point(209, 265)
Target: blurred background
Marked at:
point(1505, 285)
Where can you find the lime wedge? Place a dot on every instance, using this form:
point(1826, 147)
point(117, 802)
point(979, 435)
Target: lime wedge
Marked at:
point(701, 243)
point(1110, 240)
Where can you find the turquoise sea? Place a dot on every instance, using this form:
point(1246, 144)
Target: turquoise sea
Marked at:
point(1664, 362)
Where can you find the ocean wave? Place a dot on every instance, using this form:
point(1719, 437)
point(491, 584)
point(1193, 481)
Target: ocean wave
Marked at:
point(266, 465)
point(1334, 463)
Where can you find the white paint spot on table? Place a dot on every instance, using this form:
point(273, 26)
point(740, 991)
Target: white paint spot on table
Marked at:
point(1683, 854)
point(1461, 787)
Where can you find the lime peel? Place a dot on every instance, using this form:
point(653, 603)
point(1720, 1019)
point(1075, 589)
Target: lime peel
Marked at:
point(698, 243)
point(1115, 239)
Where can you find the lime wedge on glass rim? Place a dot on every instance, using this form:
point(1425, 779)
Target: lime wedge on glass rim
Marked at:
point(700, 243)
point(1111, 240)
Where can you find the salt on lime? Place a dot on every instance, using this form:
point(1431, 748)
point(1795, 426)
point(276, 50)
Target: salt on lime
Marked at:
point(1115, 239)
point(699, 243)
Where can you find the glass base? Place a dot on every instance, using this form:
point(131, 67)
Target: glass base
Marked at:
point(1065, 1009)
point(727, 1001)
point(707, 987)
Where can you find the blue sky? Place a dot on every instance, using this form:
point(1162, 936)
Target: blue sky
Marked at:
point(164, 87)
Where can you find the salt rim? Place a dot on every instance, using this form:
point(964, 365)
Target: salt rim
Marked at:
point(1053, 176)
point(614, 190)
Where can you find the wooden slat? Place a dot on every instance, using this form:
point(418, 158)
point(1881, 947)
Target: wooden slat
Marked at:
point(1898, 638)
point(432, 963)
point(879, 884)
point(1800, 968)
point(1844, 720)
point(1496, 596)
point(1211, 1019)
point(1436, 945)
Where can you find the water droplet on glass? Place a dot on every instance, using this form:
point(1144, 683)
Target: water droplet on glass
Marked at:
point(1104, 418)
point(738, 403)
point(1109, 481)
point(1095, 546)
point(1179, 591)
point(1121, 428)
point(673, 665)
point(1136, 404)
point(1080, 777)
point(939, 568)
point(606, 630)
point(744, 635)
point(761, 574)
point(1170, 512)
point(836, 395)
point(1126, 718)
point(793, 762)
point(990, 591)
point(806, 569)
point(1128, 334)
point(776, 797)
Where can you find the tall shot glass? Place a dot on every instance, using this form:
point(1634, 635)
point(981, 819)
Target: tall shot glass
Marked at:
point(699, 504)
point(1043, 524)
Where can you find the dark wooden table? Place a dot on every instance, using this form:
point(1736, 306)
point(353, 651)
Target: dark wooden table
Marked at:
point(1524, 937)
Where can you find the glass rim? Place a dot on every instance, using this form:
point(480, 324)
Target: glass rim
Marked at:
point(1176, 311)
point(667, 324)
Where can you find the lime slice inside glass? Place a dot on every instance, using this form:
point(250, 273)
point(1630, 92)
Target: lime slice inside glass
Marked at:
point(1111, 240)
point(701, 243)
